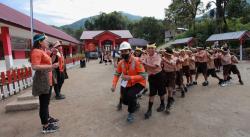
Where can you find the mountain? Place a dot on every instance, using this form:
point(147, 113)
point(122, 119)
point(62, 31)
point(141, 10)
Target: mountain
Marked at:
point(78, 24)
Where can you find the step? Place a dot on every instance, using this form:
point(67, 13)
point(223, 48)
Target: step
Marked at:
point(22, 105)
point(26, 96)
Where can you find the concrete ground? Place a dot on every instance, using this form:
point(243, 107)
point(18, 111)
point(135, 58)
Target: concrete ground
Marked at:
point(89, 110)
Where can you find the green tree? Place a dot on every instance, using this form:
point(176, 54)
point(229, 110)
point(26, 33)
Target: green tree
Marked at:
point(182, 13)
point(111, 21)
point(78, 33)
point(221, 21)
point(149, 29)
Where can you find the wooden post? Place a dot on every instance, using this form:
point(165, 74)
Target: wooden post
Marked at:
point(241, 50)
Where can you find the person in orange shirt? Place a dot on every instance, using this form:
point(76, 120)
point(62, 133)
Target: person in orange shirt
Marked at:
point(155, 78)
point(133, 80)
point(60, 70)
point(42, 81)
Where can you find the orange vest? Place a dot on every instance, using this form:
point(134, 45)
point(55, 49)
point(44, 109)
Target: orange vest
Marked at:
point(132, 68)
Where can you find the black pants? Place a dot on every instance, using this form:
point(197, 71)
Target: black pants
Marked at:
point(60, 81)
point(129, 96)
point(44, 100)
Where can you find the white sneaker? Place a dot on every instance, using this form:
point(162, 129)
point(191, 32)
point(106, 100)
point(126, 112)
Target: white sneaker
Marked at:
point(224, 84)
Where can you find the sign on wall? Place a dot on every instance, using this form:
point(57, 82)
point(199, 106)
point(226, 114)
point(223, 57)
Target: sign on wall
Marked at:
point(20, 44)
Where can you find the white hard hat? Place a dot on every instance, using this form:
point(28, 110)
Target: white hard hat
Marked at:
point(124, 45)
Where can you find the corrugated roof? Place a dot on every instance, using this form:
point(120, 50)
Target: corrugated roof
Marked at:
point(11, 15)
point(181, 41)
point(227, 36)
point(138, 42)
point(92, 34)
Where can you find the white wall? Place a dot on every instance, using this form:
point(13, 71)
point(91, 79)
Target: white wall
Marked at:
point(18, 63)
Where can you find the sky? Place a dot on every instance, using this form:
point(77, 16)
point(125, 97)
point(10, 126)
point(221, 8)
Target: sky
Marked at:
point(61, 12)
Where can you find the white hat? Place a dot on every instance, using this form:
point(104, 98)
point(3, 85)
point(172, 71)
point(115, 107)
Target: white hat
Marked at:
point(124, 45)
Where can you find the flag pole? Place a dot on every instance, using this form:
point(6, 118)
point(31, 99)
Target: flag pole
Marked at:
point(31, 21)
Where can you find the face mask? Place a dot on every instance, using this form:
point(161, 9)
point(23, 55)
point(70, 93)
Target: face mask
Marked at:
point(125, 56)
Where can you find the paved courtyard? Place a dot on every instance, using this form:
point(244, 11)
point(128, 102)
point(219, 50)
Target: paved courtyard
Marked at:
point(89, 110)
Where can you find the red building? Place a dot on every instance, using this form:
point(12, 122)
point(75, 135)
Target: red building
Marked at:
point(104, 40)
point(15, 37)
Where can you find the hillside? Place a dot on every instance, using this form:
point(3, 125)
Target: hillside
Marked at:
point(76, 25)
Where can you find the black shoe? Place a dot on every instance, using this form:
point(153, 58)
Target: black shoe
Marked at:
point(145, 91)
point(182, 94)
point(174, 92)
point(49, 129)
point(205, 83)
point(148, 114)
point(119, 107)
point(167, 111)
point(52, 120)
point(185, 89)
point(220, 81)
point(170, 102)
point(60, 97)
point(139, 96)
point(161, 108)
point(194, 83)
point(241, 82)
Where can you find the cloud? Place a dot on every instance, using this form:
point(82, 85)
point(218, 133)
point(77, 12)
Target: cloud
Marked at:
point(61, 12)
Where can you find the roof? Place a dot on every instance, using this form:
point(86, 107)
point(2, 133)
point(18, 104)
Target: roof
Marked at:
point(92, 34)
point(182, 41)
point(10, 15)
point(138, 42)
point(163, 46)
point(229, 36)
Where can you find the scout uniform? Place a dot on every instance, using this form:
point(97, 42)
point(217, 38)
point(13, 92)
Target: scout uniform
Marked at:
point(211, 67)
point(155, 79)
point(169, 67)
point(234, 68)
point(202, 59)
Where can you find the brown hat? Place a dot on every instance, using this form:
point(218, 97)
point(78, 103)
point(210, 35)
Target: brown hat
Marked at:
point(168, 51)
point(56, 44)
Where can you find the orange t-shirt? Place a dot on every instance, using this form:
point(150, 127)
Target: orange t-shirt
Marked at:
point(40, 57)
point(61, 63)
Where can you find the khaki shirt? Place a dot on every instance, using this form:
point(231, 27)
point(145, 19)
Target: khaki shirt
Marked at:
point(204, 56)
point(169, 64)
point(210, 64)
point(192, 63)
point(226, 59)
point(153, 60)
point(186, 60)
point(179, 62)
